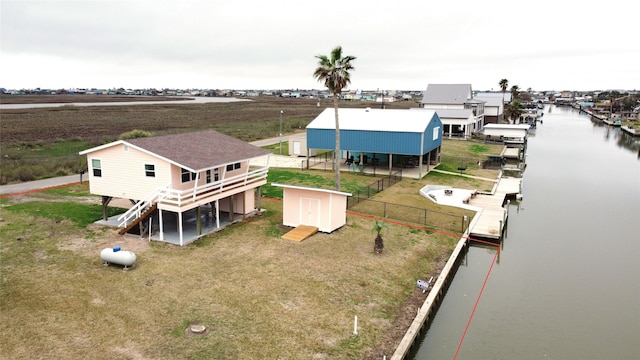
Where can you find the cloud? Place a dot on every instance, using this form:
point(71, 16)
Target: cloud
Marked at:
point(272, 44)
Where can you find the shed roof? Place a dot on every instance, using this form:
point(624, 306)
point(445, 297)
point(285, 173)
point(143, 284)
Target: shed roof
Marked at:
point(311, 189)
point(193, 150)
point(388, 120)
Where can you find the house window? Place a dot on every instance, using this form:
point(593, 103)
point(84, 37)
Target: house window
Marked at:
point(436, 132)
point(96, 164)
point(149, 170)
point(187, 175)
point(216, 174)
point(231, 167)
point(208, 176)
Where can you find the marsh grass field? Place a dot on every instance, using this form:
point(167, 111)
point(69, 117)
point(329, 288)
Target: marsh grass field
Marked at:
point(43, 142)
point(258, 295)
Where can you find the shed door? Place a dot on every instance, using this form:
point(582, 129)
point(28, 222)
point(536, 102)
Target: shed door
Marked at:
point(296, 148)
point(310, 211)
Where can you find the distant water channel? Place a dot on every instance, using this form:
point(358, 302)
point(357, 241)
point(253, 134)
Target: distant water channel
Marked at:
point(566, 284)
point(181, 101)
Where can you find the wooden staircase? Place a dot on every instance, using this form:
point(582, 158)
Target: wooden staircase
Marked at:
point(137, 220)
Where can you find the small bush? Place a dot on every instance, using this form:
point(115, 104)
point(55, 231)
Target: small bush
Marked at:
point(134, 134)
point(24, 173)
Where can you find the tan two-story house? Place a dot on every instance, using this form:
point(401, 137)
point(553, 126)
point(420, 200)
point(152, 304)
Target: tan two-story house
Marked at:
point(182, 186)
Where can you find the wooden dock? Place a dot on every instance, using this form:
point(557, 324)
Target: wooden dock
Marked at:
point(490, 221)
point(631, 130)
point(511, 153)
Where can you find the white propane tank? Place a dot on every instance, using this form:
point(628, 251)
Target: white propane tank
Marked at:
point(117, 256)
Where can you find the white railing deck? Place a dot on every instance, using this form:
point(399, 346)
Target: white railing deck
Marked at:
point(181, 198)
point(141, 206)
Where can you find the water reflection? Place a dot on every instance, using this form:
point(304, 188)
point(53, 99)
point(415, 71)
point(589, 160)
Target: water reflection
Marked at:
point(564, 286)
point(621, 138)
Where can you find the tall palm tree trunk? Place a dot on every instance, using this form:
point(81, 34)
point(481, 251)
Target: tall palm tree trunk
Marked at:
point(336, 155)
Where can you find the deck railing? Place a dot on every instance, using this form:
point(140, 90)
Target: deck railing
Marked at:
point(136, 210)
point(181, 198)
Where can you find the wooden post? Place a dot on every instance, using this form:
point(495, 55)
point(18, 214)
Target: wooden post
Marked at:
point(105, 201)
point(231, 210)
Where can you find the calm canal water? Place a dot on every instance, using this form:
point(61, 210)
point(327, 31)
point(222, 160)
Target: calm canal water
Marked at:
point(566, 284)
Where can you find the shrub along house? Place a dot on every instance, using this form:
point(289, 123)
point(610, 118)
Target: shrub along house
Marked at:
point(183, 186)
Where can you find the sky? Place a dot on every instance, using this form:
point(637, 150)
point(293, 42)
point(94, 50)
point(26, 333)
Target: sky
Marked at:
point(272, 44)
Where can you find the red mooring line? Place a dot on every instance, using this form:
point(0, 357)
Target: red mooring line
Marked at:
point(455, 356)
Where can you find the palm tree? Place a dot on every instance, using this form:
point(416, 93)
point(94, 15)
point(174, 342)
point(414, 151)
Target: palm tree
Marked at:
point(515, 109)
point(515, 92)
point(378, 227)
point(504, 83)
point(334, 71)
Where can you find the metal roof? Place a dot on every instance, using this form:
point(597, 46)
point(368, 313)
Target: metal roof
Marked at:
point(388, 120)
point(447, 94)
point(499, 95)
point(490, 100)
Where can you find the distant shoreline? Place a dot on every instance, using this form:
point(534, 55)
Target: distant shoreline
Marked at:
point(79, 98)
point(45, 101)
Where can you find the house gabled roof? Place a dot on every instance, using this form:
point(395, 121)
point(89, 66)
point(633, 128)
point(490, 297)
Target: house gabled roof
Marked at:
point(194, 151)
point(447, 94)
point(493, 94)
point(367, 119)
point(490, 100)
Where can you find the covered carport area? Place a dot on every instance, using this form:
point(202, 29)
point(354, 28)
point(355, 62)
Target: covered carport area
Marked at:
point(380, 138)
point(512, 135)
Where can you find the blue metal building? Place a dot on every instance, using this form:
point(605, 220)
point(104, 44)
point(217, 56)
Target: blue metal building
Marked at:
point(398, 138)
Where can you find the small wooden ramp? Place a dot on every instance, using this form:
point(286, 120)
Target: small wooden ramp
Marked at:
point(300, 233)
